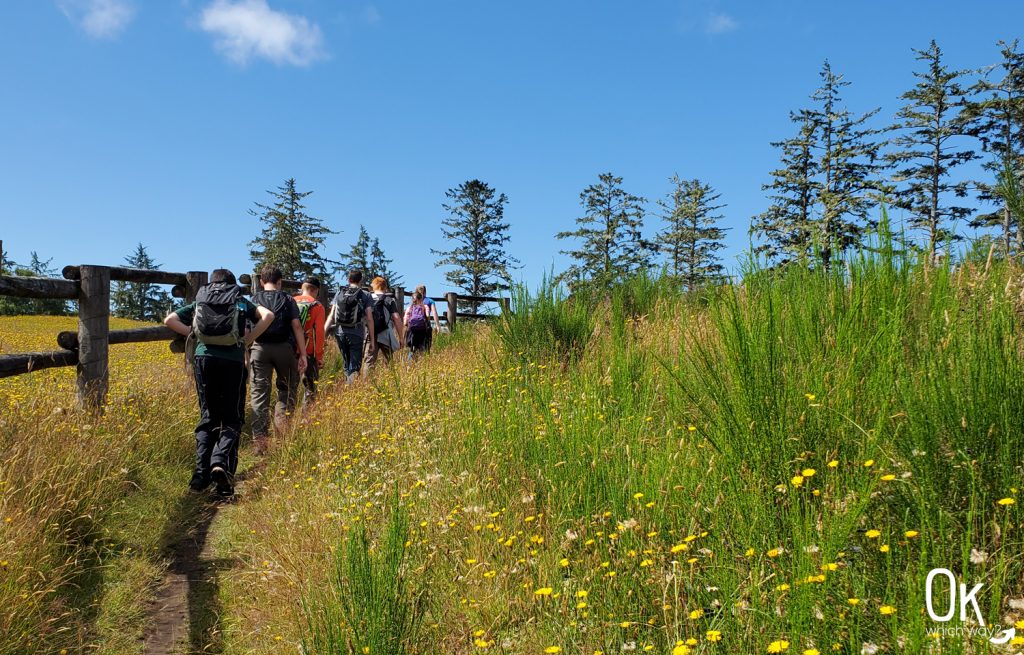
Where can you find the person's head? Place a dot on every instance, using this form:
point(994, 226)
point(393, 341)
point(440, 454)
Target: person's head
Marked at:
point(417, 298)
point(379, 284)
point(311, 286)
point(355, 277)
point(271, 274)
point(422, 290)
point(222, 276)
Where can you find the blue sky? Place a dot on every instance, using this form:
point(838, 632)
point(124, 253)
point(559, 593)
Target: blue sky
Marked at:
point(161, 122)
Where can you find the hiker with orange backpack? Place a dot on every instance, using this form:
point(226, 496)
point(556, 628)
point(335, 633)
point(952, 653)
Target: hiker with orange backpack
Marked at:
point(313, 316)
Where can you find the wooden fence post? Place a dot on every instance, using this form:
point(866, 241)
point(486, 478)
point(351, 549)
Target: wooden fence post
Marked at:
point(194, 280)
point(506, 305)
point(452, 299)
point(93, 336)
point(400, 300)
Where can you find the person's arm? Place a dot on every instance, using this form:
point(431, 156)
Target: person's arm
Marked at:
point(300, 341)
point(369, 328)
point(174, 322)
point(266, 318)
point(329, 323)
point(437, 319)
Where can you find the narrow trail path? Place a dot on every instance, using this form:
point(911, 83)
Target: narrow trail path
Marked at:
point(185, 616)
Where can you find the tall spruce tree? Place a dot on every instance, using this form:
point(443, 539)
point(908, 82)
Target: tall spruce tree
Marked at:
point(692, 236)
point(787, 227)
point(929, 125)
point(380, 265)
point(997, 120)
point(476, 227)
point(847, 157)
point(358, 256)
point(139, 301)
point(611, 243)
point(291, 238)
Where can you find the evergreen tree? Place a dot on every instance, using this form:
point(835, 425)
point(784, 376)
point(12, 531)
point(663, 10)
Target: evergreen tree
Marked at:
point(930, 123)
point(787, 226)
point(611, 246)
point(381, 265)
point(358, 257)
point(692, 236)
point(997, 120)
point(7, 265)
point(291, 238)
point(139, 301)
point(846, 155)
point(476, 226)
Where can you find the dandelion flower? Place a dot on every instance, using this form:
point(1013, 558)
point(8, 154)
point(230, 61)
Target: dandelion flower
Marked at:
point(543, 591)
point(1006, 501)
point(872, 534)
point(714, 636)
point(887, 610)
point(808, 473)
point(910, 534)
point(780, 646)
point(797, 480)
point(553, 649)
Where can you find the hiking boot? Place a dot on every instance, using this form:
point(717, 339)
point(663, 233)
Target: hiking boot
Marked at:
point(223, 481)
point(198, 483)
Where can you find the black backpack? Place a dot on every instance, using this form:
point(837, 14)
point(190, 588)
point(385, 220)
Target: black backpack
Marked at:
point(381, 315)
point(276, 301)
point(216, 321)
point(348, 307)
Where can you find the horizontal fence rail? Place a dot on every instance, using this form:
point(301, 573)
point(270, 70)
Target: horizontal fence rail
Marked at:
point(88, 348)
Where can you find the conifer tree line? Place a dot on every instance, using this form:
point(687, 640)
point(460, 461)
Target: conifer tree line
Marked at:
point(840, 166)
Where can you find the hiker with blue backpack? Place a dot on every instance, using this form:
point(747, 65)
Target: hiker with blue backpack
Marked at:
point(280, 351)
point(217, 321)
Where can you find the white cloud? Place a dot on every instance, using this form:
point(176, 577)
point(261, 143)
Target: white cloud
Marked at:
point(245, 29)
point(371, 15)
point(717, 23)
point(101, 19)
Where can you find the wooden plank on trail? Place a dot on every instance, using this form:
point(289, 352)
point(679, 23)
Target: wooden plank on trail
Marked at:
point(28, 362)
point(69, 340)
point(138, 275)
point(37, 287)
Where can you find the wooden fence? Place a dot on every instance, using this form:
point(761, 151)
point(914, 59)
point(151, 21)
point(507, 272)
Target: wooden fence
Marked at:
point(88, 348)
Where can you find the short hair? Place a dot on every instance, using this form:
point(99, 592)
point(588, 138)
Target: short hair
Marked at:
point(222, 275)
point(312, 281)
point(355, 276)
point(379, 283)
point(270, 274)
point(422, 289)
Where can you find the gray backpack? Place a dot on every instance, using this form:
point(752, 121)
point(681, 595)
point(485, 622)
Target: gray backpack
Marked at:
point(216, 321)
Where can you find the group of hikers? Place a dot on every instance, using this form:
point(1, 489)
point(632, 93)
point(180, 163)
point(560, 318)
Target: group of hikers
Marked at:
point(240, 341)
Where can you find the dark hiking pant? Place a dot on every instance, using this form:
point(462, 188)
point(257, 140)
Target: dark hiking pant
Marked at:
point(351, 346)
point(220, 385)
point(309, 379)
point(266, 359)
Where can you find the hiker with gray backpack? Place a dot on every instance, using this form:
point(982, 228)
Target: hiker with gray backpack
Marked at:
point(351, 319)
point(217, 320)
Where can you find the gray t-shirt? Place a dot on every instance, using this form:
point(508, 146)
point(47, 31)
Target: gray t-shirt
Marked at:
point(359, 329)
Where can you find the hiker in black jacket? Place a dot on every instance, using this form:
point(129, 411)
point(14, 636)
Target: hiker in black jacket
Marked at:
point(217, 321)
point(280, 349)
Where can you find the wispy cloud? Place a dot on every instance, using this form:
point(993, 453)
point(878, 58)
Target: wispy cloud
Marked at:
point(718, 23)
point(101, 19)
point(371, 15)
point(248, 29)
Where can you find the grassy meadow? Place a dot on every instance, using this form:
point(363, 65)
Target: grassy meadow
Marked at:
point(772, 467)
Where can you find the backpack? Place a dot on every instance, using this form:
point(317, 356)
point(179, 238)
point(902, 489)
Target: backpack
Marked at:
point(279, 329)
point(349, 307)
point(381, 315)
point(305, 309)
point(417, 317)
point(216, 321)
